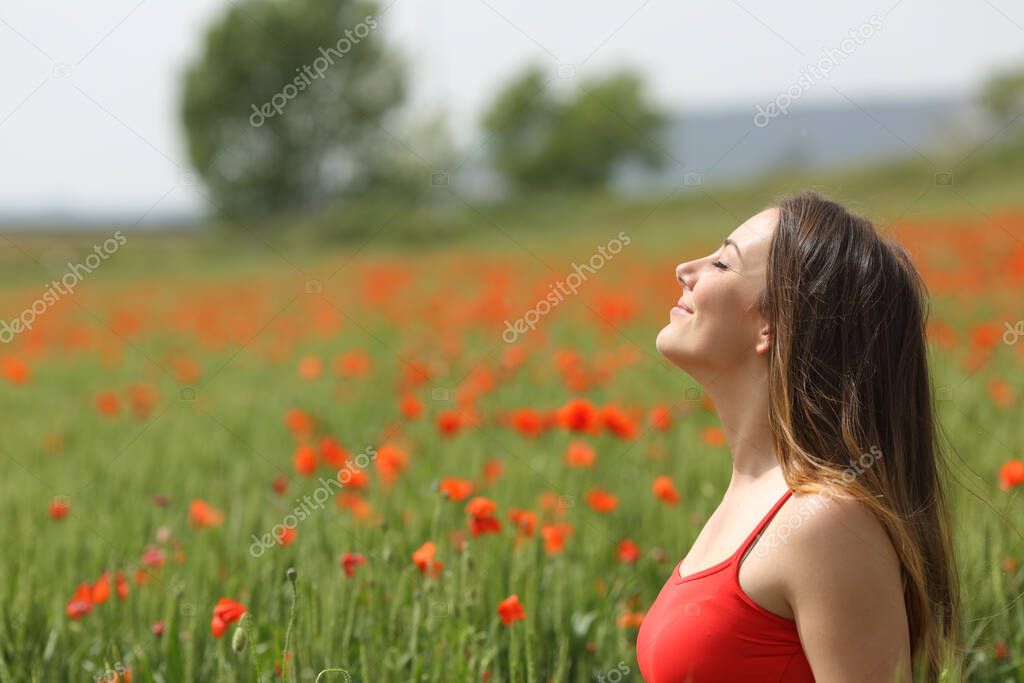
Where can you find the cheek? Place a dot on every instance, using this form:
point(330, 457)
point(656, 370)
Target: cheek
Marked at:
point(721, 304)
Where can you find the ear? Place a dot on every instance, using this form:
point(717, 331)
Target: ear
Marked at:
point(764, 340)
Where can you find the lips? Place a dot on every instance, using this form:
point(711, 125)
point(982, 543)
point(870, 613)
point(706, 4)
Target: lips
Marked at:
point(682, 305)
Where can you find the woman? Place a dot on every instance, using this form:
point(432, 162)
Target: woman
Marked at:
point(829, 557)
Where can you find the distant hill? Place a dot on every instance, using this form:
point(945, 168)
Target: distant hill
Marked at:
point(728, 146)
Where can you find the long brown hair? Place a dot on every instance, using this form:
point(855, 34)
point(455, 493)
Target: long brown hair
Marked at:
point(848, 375)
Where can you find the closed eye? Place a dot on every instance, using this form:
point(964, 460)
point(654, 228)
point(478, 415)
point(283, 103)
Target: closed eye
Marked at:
point(720, 265)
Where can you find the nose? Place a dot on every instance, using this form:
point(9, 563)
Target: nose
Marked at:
point(684, 274)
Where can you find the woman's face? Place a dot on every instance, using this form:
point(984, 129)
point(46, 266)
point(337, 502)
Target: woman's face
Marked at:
point(715, 324)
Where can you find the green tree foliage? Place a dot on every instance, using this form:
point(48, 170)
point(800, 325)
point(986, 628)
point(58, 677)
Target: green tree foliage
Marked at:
point(284, 107)
point(544, 142)
point(1003, 96)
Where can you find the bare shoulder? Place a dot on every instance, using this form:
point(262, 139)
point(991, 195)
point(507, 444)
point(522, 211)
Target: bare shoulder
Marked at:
point(839, 535)
point(844, 585)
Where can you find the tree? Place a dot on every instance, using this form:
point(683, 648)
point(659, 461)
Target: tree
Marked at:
point(284, 108)
point(1003, 96)
point(540, 141)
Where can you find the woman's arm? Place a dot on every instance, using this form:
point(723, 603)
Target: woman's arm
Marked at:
point(843, 583)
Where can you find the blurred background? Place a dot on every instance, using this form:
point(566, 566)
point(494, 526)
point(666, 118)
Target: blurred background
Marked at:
point(241, 240)
point(147, 115)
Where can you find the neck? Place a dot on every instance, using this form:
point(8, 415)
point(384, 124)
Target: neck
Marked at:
point(740, 396)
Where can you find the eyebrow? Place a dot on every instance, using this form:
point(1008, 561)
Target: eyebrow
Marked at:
point(729, 241)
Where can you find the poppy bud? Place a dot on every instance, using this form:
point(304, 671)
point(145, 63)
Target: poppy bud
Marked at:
point(238, 640)
point(291, 574)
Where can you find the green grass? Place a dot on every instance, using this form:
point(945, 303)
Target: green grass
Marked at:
point(389, 623)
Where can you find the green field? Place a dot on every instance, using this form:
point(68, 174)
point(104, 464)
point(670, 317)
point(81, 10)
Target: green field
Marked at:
point(204, 344)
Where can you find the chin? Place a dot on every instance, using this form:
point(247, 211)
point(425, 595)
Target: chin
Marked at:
point(671, 346)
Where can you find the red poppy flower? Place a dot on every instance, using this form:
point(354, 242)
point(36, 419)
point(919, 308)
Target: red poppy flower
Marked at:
point(202, 515)
point(510, 610)
point(628, 551)
point(353, 478)
point(580, 454)
point(553, 504)
point(479, 526)
point(601, 501)
point(108, 404)
point(661, 417)
point(121, 585)
point(578, 415)
point(1000, 392)
point(512, 357)
point(985, 336)
point(186, 370)
point(390, 462)
point(143, 398)
point(355, 503)
point(528, 422)
point(415, 374)
point(80, 603)
point(280, 484)
point(618, 422)
point(456, 489)
point(523, 520)
point(1011, 474)
point(101, 589)
point(482, 520)
point(481, 507)
point(16, 370)
point(424, 560)
point(349, 562)
point(225, 613)
point(449, 422)
point(665, 490)
point(310, 367)
point(493, 469)
point(304, 461)
point(713, 436)
point(287, 536)
point(59, 508)
point(333, 453)
point(554, 536)
point(410, 407)
point(299, 422)
point(630, 619)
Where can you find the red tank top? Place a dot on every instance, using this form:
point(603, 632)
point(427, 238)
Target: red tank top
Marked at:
point(703, 628)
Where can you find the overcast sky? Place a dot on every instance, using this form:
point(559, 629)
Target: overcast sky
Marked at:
point(88, 108)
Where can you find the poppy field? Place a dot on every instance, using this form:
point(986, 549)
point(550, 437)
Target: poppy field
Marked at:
point(467, 464)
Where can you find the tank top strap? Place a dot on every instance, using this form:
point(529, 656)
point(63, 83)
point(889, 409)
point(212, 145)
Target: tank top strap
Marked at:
point(763, 523)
